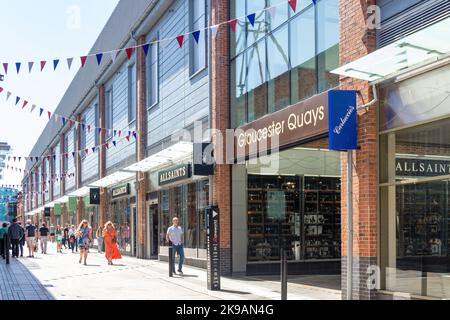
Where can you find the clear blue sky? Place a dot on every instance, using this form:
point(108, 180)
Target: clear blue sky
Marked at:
point(41, 30)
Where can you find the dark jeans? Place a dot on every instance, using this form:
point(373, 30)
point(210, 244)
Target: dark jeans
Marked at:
point(21, 244)
point(74, 245)
point(178, 249)
point(15, 247)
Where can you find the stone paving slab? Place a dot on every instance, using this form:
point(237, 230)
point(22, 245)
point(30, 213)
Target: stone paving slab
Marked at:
point(18, 283)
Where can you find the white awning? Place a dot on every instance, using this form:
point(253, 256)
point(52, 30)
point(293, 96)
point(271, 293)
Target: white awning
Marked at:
point(83, 191)
point(171, 155)
point(113, 179)
point(63, 199)
point(426, 45)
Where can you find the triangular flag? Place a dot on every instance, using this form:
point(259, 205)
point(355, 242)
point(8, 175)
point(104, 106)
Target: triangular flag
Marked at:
point(73, 155)
point(114, 143)
point(40, 111)
point(314, 1)
point(129, 52)
point(114, 55)
point(107, 145)
point(54, 157)
point(1, 89)
point(83, 60)
point(180, 40)
point(145, 47)
point(18, 64)
point(33, 107)
point(99, 57)
point(134, 135)
point(293, 4)
point(55, 63)
point(17, 100)
point(93, 149)
point(233, 24)
point(8, 94)
point(272, 12)
point(24, 104)
point(120, 133)
point(69, 62)
point(89, 128)
point(196, 35)
point(30, 66)
point(251, 19)
point(49, 115)
point(87, 151)
point(5, 67)
point(128, 138)
point(43, 62)
point(63, 121)
point(214, 30)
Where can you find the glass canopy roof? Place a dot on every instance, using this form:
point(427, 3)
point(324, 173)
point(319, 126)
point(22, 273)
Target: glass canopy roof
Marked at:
point(425, 45)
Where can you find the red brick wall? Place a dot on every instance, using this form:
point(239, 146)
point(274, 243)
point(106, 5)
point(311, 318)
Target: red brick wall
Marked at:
point(357, 41)
point(220, 70)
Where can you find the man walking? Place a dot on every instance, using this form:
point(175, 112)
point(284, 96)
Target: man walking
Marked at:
point(30, 237)
point(175, 236)
point(15, 232)
point(43, 236)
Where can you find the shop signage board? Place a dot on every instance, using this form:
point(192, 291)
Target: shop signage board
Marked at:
point(57, 209)
point(213, 248)
point(342, 120)
point(120, 191)
point(203, 157)
point(409, 167)
point(289, 126)
point(47, 212)
point(174, 174)
point(94, 196)
point(72, 204)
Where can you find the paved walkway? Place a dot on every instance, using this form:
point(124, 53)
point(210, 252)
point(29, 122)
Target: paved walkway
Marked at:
point(60, 276)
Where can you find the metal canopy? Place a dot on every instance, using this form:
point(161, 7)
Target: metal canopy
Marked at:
point(171, 155)
point(83, 191)
point(425, 45)
point(113, 179)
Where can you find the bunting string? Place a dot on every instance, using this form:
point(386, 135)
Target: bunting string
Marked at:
point(180, 40)
point(23, 103)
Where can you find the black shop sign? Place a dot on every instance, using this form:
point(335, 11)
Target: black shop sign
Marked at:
point(406, 167)
point(213, 248)
point(174, 174)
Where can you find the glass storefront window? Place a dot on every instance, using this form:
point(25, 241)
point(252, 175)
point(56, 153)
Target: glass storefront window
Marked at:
point(188, 203)
point(280, 15)
point(293, 202)
point(120, 214)
point(414, 209)
point(238, 38)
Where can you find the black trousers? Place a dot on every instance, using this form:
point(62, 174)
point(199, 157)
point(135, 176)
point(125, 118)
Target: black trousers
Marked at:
point(2, 248)
point(15, 247)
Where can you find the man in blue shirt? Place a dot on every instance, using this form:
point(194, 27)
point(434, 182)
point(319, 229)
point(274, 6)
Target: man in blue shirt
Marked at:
point(175, 236)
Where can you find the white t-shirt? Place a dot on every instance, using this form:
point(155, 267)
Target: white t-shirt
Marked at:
point(175, 235)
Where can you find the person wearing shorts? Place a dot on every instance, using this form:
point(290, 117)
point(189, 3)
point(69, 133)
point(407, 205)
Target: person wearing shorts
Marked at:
point(30, 238)
point(84, 238)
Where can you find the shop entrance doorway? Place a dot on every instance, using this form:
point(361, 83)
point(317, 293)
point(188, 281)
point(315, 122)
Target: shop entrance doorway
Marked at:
point(153, 230)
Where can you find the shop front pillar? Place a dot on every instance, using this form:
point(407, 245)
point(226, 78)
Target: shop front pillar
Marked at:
point(357, 40)
point(80, 210)
point(220, 75)
point(102, 156)
point(79, 213)
point(51, 184)
point(141, 145)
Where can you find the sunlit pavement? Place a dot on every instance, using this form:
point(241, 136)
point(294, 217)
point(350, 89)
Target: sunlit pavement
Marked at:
point(60, 276)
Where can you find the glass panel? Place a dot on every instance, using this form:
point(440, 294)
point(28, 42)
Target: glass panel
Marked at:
point(277, 15)
point(164, 219)
point(278, 65)
point(190, 238)
point(202, 203)
point(302, 41)
point(198, 50)
point(153, 80)
point(238, 91)
point(256, 77)
point(238, 38)
point(327, 43)
point(294, 203)
point(258, 31)
point(132, 93)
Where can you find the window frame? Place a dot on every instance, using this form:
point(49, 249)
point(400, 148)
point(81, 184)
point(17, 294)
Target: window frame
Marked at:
point(109, 113)
point(130, 69)
point(153, 44)
point(193, 46)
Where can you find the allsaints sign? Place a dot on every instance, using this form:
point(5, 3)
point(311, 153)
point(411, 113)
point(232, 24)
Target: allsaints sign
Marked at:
point(121, 191)
point(421, 167)
point(174, 174)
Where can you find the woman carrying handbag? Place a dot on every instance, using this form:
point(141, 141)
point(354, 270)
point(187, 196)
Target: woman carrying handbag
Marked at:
point(110, 240)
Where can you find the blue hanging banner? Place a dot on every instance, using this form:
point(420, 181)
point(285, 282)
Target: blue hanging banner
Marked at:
point(342, 120)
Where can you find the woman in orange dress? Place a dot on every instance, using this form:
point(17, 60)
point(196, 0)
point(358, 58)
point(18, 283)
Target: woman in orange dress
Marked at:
point(110, 241)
